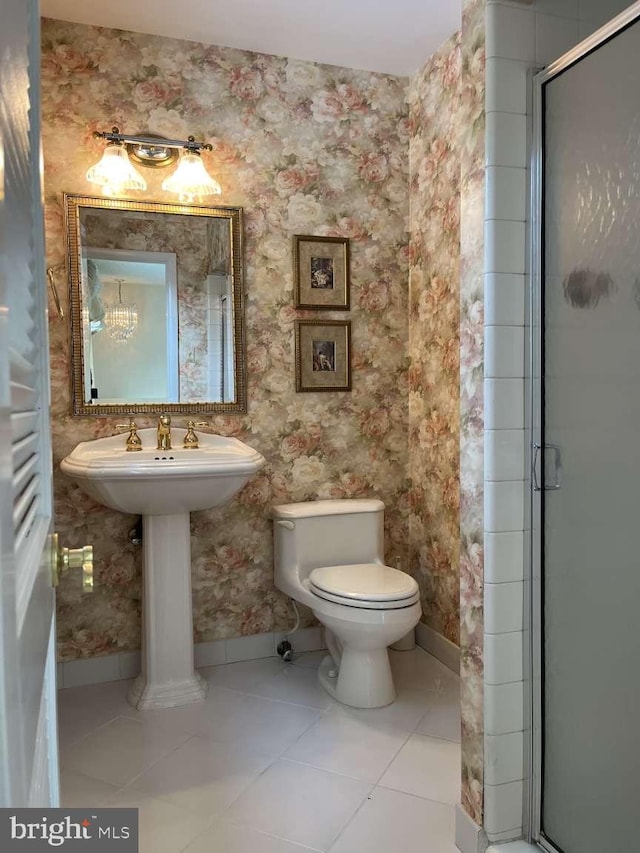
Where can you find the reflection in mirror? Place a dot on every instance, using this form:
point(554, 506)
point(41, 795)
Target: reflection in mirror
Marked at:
point(156, 307)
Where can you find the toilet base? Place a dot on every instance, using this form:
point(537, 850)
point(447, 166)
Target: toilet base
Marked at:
point(364, 679)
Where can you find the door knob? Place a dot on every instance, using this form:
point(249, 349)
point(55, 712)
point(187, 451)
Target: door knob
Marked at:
point(63, 559)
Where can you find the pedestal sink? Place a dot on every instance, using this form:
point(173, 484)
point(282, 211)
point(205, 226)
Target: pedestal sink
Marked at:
point(164, 486)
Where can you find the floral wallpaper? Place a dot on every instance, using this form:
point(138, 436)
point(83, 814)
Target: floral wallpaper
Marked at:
point(434, 341)
point(446, 100)
point(304, 149)
point(472, 187)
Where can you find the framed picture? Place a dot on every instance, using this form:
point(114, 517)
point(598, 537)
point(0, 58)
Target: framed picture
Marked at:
point(323, 355)
point(321, 272)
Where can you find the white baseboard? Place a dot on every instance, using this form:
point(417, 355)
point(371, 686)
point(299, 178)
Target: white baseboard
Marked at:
point(74, 673)
point(470, 837)
point(438, 646)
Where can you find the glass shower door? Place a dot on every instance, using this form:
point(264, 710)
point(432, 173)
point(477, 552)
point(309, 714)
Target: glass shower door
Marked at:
point(588, 468)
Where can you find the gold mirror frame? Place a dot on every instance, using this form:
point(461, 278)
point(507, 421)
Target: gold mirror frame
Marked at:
point(72, 205)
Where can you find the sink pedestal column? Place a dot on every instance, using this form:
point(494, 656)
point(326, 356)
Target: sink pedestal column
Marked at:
point(168, 678)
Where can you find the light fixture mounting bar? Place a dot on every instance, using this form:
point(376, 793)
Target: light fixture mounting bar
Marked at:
point(115, 136)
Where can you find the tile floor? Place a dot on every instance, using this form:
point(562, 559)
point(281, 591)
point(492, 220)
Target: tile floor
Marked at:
point(269, 763)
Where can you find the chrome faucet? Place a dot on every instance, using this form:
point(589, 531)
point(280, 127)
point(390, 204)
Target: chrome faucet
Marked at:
point(164, 433)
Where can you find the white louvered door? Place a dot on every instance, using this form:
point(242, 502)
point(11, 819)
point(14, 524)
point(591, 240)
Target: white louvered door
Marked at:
point(28, 746)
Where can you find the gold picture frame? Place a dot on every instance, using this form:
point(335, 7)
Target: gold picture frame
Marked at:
point(323, 355)
point(321, 273)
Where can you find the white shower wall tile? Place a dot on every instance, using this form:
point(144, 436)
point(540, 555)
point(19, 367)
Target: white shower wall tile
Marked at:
point(504, 299)
point(503, 506)
point(503, 657)
point(504, 246)
point(503, 807)
point(503, 454)
point(503, 607)
point(509, 32)
point(554, 36)
point(503, 758)
point(504, 352)
point(562, 8)
point(506, 140)
point(598, 12)
point(504, 557)
point(505, 193)
point(511, 48)
point(506, 86)
point(504, 403)
point(504, 708)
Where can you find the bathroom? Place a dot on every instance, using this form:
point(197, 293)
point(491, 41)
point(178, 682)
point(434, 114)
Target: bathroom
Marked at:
point(435, 423)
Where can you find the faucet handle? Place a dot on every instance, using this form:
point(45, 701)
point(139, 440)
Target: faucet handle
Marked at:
point(190, 441)
point(134, 442)
point(126, 427)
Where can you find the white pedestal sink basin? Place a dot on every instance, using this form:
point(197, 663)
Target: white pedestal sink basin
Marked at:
point(164, 486)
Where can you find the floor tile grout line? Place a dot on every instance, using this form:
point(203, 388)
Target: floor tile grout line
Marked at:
point(435, 737)
point(302, 847)
point(271, 760)
point(212, 817)
point(395, 755)
point(363, 802)
point(88, 734)
point(302, 734)
point(411, 794)
point(160, 758)
point(332, 772)
point(271, 699)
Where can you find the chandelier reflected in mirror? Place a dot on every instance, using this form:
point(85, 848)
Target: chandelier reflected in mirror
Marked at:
point(121, 318)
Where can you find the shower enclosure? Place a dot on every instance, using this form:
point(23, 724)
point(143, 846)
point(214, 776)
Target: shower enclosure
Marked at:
point(585, 457)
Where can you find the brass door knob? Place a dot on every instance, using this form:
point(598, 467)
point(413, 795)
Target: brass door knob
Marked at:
point(63, 559)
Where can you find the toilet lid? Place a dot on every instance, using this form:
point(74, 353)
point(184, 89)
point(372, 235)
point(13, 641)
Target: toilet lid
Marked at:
point(364, 582)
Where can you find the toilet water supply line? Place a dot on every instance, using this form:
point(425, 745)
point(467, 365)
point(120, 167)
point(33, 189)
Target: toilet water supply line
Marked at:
point(285, 649)
point(297, 624)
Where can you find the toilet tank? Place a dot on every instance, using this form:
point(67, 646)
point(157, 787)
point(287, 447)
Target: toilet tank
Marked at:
point(326, 533)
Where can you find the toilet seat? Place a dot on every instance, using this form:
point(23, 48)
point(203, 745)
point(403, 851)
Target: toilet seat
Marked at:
point(366, 585)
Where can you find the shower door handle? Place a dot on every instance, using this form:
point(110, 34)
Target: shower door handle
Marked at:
point(557, 468)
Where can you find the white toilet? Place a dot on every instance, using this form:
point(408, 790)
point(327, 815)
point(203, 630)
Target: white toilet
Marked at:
point(329, 555)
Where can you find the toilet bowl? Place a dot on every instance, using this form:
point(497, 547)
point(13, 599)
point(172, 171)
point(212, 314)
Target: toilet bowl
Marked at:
point(329, 555)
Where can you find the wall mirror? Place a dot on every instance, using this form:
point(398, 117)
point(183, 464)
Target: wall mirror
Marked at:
point(156, 304)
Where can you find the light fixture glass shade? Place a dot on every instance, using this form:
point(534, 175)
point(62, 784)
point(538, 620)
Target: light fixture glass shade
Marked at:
point(191, 181)
point(114, 173)
point(121, 318)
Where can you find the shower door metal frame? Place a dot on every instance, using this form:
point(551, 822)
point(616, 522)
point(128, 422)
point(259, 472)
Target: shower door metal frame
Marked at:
point(534, 396)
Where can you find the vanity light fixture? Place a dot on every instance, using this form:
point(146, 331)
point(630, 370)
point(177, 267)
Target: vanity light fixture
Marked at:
point(191, 181)
point(115, 172)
